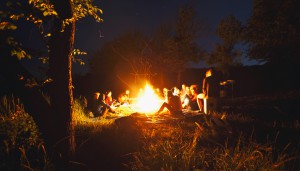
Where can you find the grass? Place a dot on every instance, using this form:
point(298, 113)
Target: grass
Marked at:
point(20, 147)
point(178, 148)
point(82, 119)
point(219, 141)
point(134, 141)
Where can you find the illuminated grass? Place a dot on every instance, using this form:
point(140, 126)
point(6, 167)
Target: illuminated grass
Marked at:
point(209, 142)
point(175, 147)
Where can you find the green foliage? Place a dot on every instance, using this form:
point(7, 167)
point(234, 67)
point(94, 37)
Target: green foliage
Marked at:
point(41, 13)
point(83, 8)
point(7, 26)
point(20, 146)
point(80, 113)
point(21, 129)
point(16, 49)
point(78, 52)
point(172, 149)
point(44, 6)
point(82, 121)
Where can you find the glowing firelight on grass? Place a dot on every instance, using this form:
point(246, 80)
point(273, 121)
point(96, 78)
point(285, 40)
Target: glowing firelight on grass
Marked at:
point(148, 101)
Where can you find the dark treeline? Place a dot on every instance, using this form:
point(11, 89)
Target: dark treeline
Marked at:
point(248, 80)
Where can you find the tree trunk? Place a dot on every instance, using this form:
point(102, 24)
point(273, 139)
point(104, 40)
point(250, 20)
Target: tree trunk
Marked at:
point(61, 93)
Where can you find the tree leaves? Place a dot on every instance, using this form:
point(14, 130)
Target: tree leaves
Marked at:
point(16, 49)
point(273, 31)
point(78, 60)
point(78, 52)
point(225, 54)
point(7, 26)
point(41, 13)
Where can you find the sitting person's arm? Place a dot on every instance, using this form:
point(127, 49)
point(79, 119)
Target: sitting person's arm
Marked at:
point(185, 102)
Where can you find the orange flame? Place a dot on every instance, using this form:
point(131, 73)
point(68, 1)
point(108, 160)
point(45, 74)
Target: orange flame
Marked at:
point(148, 101)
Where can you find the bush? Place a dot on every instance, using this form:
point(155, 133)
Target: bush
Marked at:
point(20, 145)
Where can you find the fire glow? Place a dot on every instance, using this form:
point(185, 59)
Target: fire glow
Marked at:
point(148, 101)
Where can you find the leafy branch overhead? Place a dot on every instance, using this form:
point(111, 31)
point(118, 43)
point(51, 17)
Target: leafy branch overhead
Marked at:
point(78, 52)
point(40, 13)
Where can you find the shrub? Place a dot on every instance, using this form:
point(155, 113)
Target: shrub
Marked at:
point(20, 145)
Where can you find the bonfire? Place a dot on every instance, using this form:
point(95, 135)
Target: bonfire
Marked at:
point(148, 101)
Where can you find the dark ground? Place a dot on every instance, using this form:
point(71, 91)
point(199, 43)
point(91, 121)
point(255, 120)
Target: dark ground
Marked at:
point(274, 117)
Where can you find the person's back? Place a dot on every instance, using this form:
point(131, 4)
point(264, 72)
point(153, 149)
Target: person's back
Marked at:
point(213, 87)
point(108, 98)
point(212, 93)
point(210, 88)
point(193, 97)
point(175, 103)
point(95, 105)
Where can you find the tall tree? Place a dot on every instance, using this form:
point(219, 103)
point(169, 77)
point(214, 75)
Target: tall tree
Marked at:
point(56, 123)
point(184, 48)
point(60, 64)
point(175, 48)
point(273, 31)
point(226, 54)
point(159, 43)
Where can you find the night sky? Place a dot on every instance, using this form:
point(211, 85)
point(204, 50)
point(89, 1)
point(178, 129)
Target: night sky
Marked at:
point(121, 16)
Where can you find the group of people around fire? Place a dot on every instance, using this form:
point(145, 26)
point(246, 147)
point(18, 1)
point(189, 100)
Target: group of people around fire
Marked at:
point(101, 105)
point(175, 100)
point(189, 97)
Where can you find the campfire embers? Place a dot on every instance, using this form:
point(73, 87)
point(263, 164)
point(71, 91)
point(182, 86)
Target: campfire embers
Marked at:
point(148, 101)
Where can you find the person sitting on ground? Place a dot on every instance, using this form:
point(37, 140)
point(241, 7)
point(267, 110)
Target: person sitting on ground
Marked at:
point(124, 98)
point(110, 102)
point(185, 97)
point(97, 106)
point(185, 102)
point(173, 104)
point(182, 93)
point(193, 105)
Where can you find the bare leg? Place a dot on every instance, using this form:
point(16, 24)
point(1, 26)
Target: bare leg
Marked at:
point(164, 105)
point(104, 113)
point(200, 103)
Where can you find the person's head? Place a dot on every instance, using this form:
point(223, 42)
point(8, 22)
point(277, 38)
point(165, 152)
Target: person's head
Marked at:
point(193, 89)
point(165, 91)
point(208, 72)
point(96, 95)
point(187, 89)
point(109, 93)
point(176, 91)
